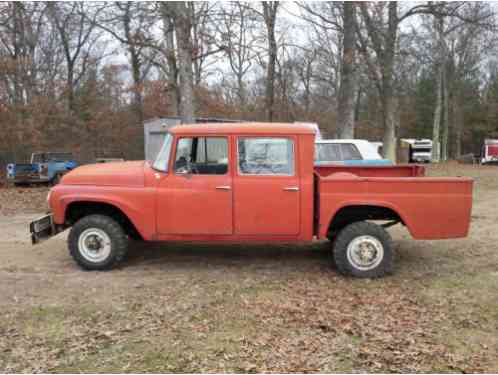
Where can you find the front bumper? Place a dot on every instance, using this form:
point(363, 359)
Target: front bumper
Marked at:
point(43, 228)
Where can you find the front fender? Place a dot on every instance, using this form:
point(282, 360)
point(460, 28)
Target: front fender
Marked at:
point(136, 203)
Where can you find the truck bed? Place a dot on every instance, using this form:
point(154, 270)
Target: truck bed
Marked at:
point(430, 207)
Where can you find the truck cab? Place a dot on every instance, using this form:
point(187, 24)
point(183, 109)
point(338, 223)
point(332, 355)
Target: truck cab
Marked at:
point(251, 182)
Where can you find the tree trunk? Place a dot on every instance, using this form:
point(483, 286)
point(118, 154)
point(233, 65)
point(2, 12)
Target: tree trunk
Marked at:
point(445, 119)
point(241, 90)
point(137, 83)
point(135, 65)
point(436, 136)
point(389, 119)
point(357, 105)
point(172, 89)
point(70, 85)
point(436, 146)
point(458, 124)
point(346, 108)
point(387, 89)
point(183, 28)
point(17, 36)
point(270, 14)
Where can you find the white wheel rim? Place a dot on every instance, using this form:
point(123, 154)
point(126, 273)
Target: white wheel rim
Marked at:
point(365, 252)
point(94, 245)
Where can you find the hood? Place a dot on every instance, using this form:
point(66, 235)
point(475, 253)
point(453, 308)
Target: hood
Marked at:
point(129, 173)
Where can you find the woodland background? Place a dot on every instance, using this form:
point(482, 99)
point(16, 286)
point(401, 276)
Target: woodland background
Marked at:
point(83, 77)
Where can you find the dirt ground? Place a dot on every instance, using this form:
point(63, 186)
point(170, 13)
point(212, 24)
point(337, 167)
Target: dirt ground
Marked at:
point(264, 308)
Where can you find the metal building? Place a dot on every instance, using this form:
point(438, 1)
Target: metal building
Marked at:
point(156, 128)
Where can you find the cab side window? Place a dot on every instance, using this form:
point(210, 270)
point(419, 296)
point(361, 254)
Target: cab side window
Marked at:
point(201, 155)
point(265, 156)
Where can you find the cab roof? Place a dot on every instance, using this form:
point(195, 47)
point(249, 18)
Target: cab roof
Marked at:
point(243, 128)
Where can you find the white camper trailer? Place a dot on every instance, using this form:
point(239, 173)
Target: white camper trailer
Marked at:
point(420, 150)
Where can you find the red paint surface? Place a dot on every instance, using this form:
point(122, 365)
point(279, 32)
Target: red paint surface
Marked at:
point(492, 150)
point(165, 206)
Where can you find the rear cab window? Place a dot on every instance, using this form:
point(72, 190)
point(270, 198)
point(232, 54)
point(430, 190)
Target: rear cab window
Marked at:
point(266, 156)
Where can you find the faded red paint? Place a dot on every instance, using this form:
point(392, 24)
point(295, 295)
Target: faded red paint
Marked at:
point(166, 206)
point(492, 150)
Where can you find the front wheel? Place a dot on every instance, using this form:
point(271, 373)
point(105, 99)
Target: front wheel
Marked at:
point(363, 249)
point(97, 242)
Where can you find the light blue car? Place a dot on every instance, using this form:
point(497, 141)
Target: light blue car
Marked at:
point(347, 152)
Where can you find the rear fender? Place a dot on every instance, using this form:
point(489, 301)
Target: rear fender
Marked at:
point(329, 219)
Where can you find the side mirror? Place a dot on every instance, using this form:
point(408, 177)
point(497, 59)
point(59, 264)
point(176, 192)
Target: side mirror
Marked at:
point(185, 170)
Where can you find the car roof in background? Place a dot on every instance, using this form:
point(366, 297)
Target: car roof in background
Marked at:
point(243, 128)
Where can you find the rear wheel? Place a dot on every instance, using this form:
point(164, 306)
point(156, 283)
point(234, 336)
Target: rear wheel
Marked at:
point(97, 242)
point(363, 250)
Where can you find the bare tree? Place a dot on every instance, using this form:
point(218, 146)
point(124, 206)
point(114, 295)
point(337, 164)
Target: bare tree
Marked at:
point(183, 31)
point(270, 18)
point(171, 62)
point(129, 24)
point(335, 34)
point(205, 43)
point(305, 69)
point(377, 44)
point(22, 60)
point(237, 35)
point(440, 68)
point(347, 88)
point(77, 37)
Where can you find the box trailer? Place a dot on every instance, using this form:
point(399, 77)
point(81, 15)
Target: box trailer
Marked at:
point(490, 151)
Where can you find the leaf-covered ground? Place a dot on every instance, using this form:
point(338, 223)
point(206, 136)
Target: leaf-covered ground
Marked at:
point(264, 308)
point(27, 199)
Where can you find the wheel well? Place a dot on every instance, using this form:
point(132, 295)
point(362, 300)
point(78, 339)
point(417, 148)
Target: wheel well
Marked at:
point(350, 214)
point(77, 210)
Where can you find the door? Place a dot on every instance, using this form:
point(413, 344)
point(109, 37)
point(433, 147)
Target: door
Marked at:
point(195, 198)
point(266, 187)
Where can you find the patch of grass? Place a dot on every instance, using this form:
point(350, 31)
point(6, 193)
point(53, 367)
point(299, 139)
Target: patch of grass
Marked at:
point(129, 357)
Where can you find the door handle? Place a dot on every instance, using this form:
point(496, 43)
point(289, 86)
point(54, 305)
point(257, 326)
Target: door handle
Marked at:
point(223, 187)
point(291, 188)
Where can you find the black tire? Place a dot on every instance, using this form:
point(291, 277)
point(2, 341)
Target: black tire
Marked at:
point(116, 234)
point(56, 179)
point(345, 263)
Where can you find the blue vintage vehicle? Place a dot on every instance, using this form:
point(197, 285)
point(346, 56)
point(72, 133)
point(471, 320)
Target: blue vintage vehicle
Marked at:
point(45, 167)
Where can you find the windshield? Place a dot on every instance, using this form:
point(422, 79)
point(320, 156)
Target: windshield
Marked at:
point(162, 159)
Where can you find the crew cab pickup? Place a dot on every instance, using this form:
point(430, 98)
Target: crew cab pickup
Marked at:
point(251, 182)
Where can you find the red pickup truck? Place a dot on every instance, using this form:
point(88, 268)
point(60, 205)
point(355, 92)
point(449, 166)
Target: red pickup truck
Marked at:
point(251, 182)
